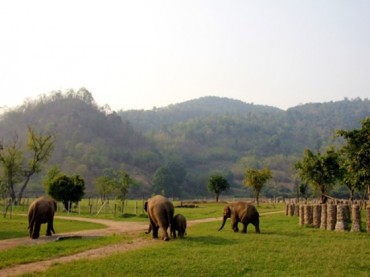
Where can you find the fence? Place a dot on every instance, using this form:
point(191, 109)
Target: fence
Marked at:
point(338, 217)
point(90, 206)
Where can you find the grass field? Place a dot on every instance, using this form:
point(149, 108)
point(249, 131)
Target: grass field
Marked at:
point(282, 249)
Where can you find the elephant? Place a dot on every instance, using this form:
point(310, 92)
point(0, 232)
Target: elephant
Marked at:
point(243, 212)
point(41, 211)
point(160, 212)
point(179, 225)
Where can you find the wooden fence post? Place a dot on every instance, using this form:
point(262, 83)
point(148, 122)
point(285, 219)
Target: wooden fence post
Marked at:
point(356, 218)
point(332, 217)
point(324, 215)
point(316, 210)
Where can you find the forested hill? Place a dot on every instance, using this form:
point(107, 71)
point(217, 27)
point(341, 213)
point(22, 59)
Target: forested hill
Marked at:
point(199, 136)
point(196, 108)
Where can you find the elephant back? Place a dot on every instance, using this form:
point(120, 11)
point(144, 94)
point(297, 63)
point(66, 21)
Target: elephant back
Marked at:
point(160, 209)
point(43, 208)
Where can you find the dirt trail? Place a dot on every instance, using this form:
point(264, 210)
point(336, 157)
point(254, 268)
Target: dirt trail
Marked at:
point(113, 227)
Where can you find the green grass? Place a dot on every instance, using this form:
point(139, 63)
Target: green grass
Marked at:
point(282, 249)
point(17, 226)
point(27, 254)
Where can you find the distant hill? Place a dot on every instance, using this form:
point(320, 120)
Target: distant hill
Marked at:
point(201, 107)
point(199, 136)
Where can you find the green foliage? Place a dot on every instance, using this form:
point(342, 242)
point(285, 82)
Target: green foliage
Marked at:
point(67, 189)
point(356, 157)
point(321, 171)
point(115, 182)
point(217, 183)
point(256, 178)
point(168, 179)
point(20, 165)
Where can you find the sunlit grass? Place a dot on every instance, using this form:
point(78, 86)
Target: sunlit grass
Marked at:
point(282, 249)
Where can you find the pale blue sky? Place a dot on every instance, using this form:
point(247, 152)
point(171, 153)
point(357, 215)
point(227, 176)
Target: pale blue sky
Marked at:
point(141, 54)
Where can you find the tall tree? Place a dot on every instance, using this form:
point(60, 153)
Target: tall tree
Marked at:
point(40, 147)
point(217, 184)
point(321, 171)
point(11, 158)
point(356, 157)
point(255, 179)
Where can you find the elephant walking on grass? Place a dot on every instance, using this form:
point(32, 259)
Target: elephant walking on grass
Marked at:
point(41, 211)
point(160, 212)
point(241, 212)
point(179, 226)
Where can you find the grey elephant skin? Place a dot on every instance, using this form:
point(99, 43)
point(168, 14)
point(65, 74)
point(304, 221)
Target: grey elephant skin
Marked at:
point(179, 226)
point(160, 212)
point(243, 212)
point(41, 211)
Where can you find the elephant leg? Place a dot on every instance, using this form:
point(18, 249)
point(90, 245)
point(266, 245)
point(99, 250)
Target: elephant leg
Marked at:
point(155, 231)
point(245, 226)
point(36, 230)
point(165, 236)
point(257, 226)
point(50, 228)
point(235, 226)
point(31, 230)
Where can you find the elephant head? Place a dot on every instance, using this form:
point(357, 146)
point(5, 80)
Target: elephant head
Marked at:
point(227, 214)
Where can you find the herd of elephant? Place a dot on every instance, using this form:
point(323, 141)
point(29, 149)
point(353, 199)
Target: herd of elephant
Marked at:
point(160, 212)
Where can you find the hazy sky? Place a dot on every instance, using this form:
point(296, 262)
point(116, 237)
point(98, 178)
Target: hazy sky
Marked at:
point(140, 54)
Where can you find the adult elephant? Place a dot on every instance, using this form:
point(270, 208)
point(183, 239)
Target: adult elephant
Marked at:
point(41, 211)
point(243, 212)
point(179, 226)
point(160, 212)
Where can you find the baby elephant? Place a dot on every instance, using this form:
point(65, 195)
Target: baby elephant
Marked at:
point(179, 225)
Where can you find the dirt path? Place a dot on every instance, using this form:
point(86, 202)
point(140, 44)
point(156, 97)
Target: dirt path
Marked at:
point(113, 227)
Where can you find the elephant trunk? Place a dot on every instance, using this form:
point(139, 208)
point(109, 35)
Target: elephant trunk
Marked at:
point(223, 223)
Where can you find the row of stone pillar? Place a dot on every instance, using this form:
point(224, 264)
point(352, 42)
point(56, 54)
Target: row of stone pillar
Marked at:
point(336, 217)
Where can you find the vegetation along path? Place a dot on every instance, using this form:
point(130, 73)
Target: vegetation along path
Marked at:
point(113, 227)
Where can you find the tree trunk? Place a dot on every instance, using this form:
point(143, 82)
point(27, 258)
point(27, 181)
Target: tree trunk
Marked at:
point(217, 196)
point(20, 194)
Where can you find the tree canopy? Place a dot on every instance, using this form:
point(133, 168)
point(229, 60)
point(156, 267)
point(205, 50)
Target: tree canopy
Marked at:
point(217, 183)
point(320, 170)
point(255, 179)
point(67, 189)
point(356, 157)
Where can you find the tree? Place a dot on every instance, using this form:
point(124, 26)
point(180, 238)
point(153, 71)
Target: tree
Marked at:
point(67, 189)
point(11, 158)
point(356, 158)
point(104, 185)
point(217, 184)
point(115, 181)
point(255, 179)
point(321, 171)
point(168, 179)
point(15, 166)
point(163, 182)
point(123, 182)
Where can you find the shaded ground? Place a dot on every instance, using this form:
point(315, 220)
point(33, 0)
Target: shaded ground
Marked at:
point(113, 227)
